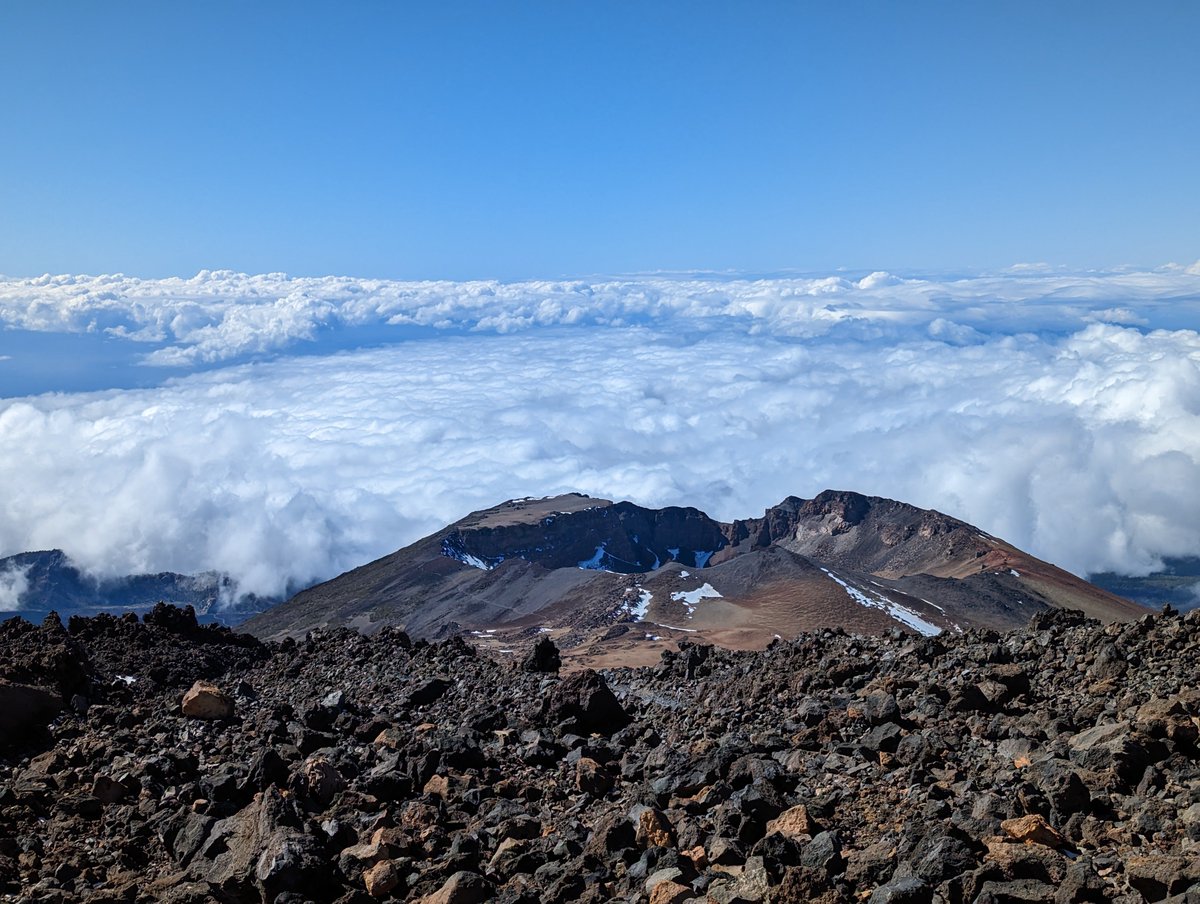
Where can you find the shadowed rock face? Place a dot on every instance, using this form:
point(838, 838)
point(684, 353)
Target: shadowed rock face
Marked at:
point(618, 578)
point(843, 528)
point(1053, 763)
point(622, 537)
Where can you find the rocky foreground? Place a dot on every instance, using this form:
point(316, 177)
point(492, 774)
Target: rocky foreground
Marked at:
point(181, 763)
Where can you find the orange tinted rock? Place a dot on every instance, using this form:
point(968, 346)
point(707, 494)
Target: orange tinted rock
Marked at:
point(654, 830)
point(670, 893)
point(381, 879)
point(793, 823)
point(438, 785)
point(205, 700)
point(1033, 829)
point(698, 856)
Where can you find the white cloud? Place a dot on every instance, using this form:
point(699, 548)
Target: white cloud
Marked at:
point(218, 315)
point(14, 582)
point(1082, 448)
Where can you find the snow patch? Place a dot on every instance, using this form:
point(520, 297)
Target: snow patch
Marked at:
point(1014, 572)
point(900, 613)
point(684, 574)
point(596, 562)
point(692, 598)
point(674, 551)
point(702, 558)
point(638, 610)
point(452, 550)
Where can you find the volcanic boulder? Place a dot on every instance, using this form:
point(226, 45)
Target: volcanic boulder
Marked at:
point(584, 700)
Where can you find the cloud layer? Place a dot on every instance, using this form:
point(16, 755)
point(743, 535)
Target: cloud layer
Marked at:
point(1047, 409)
point(218, 316)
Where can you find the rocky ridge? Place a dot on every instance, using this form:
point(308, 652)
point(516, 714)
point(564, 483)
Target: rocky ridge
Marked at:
point(183, 763)
point(618, 583)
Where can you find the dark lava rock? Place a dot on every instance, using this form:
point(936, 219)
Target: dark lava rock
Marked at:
point(902, 890)
point(373, 768)
point(584, 700)
point(24, 709)
point(544, 657)
point(879, 708)
point(428, 692)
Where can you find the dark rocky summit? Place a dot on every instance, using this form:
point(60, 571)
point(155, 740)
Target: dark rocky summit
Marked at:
point(619, 583)
point(1055, 763)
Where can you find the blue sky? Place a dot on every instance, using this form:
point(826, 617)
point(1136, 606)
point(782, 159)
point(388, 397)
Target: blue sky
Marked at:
point(322, 278)
point(523, 140)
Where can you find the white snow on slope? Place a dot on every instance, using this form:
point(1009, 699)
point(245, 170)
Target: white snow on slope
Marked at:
point(902, 614)
point(635, 609)
point(474, 561)
point(643, 605)
point(595, 563)
point(691, 598)
point(452, 550)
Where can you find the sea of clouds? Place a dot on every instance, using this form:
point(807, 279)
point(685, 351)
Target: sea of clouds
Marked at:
point(1060, 411)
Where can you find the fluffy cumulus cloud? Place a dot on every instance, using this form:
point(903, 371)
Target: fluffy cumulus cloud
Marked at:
point(220, 315)
point(14, 582)
point(1060, 412)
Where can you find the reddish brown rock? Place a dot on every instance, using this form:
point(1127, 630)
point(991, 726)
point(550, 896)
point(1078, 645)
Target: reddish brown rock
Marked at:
point(654, 830)
point(205, 700)
point(381, 879)
point(794, 823)
point(670, 893)
point(591, 777)
point(1033, 829)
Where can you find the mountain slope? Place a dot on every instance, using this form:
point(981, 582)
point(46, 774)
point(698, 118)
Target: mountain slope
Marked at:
point(618, 582)
point(1175, 584)
point(33, 584)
